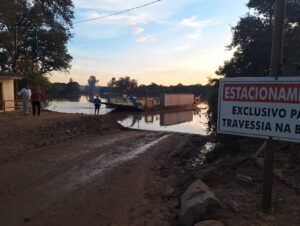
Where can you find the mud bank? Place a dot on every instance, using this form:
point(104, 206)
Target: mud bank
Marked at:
point(20, 133)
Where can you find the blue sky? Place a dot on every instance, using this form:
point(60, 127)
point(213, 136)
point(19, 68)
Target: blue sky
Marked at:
point(169, 42)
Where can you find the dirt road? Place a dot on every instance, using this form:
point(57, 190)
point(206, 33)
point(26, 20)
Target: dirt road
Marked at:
point(96, 180)
point(76, 170)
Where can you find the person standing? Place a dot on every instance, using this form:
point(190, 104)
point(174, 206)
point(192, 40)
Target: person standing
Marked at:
point(97, 104)
point(36, 99)
point(25, 93)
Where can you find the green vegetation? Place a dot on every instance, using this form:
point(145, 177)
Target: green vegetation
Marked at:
point(212, 101)
point(121, 86)
point(252, 42)
point(126, 85)
point(91, 88)
point(34, 36)
point(252, 39)
point(70, 90)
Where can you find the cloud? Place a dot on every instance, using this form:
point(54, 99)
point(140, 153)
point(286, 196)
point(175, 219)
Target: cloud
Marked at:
point(199, 25)
point(121, 19)
point(107, 5)
point(94, 14)
point(195, 35)
point(191, 22)
point(119, 5)
point(141, 18)
point(183, 47)
point(98, 8)
point(147, 39)
point(194, 22)
point(160, 11)
point(166, 32)
point(137, 31)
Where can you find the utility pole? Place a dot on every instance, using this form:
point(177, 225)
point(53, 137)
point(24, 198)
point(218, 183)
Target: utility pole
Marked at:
point(277, 41)
point(275, 71)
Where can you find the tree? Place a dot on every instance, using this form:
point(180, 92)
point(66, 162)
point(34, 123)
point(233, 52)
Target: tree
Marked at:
point(112, 82)
point(36, 79)
point(41, 29)
point(123, 84)
point(252, 42)
point(92, 81)
point(70, 90)
point(252, 39)
point(212, 112)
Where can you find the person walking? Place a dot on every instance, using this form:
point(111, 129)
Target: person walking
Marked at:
point(25, 93)
point(36, 99)
point(97, 104)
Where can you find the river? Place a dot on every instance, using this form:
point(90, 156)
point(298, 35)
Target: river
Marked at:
point(190, 122)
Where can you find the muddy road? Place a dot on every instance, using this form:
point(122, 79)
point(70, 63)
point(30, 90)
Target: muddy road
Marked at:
point(72, 169)
point(95, 180)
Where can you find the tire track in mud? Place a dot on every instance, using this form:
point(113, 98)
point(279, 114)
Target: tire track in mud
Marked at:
point(64, 175)
point(55, 160)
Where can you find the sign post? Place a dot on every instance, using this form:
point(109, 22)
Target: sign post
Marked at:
point(275, 70)
point(268, 176)
point(263, 107)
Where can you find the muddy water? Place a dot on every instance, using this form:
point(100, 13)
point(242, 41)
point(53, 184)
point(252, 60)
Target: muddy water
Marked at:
point(191, 122)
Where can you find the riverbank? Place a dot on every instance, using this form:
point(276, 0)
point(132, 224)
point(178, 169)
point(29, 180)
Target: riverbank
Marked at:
point(20, 133)
point(73, 169)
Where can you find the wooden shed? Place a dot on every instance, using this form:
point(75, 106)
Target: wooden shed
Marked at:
point(8, 91)
point(173, 100)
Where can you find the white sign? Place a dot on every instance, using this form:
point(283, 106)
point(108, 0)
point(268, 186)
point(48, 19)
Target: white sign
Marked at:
point(260, 107)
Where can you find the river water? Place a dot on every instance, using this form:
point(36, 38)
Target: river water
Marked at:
point(82, 105)
point(190, 122)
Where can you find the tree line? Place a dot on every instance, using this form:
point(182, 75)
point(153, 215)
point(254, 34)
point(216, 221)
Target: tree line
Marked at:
point(126, 85)
point(70, 90)
point(118, 87)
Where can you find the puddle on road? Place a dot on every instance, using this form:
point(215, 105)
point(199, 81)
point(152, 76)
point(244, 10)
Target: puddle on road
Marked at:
point(199, 157)
point(139, 150)
point(109, 160)
point(191, 122)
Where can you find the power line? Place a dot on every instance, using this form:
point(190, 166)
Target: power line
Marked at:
point(117, 13)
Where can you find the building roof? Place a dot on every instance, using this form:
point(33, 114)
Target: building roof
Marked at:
point(8, 75)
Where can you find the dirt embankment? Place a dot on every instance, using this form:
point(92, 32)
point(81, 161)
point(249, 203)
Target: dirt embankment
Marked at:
point(19, 133)
point(242, 197)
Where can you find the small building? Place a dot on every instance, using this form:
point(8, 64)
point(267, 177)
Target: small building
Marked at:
point(175, 100)
point(8, 83)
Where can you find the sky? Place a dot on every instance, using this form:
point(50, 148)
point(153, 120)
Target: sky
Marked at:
point(169, 42)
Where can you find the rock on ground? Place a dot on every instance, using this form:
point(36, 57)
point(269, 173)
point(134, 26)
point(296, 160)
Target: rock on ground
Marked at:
point(209, 223)
point(197, 202)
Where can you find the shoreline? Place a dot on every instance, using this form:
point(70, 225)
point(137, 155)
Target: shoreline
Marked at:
point(29, 132)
